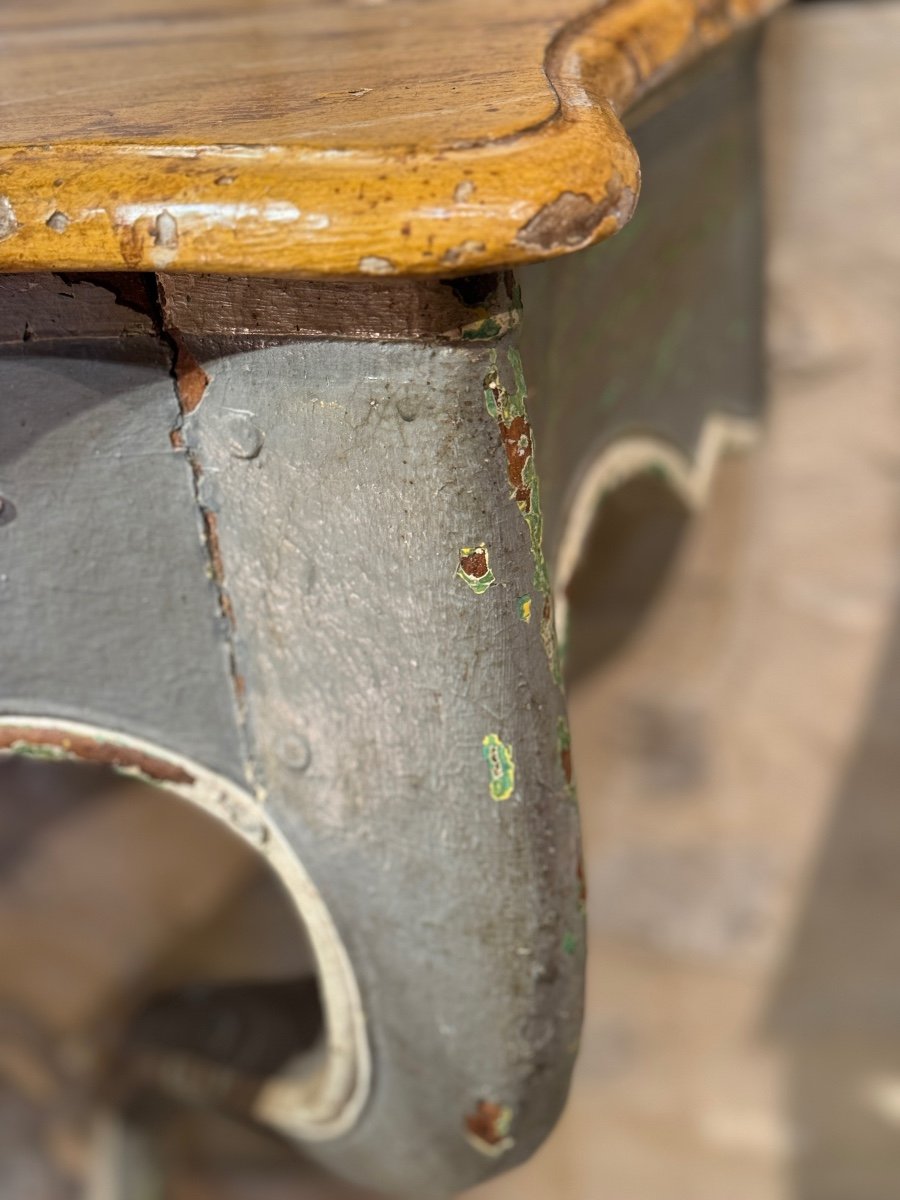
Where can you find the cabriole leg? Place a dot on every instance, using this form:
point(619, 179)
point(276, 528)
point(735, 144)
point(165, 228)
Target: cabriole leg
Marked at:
point(302, 585)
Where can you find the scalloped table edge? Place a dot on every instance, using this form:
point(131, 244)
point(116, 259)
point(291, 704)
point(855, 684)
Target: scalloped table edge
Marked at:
point(559, 186)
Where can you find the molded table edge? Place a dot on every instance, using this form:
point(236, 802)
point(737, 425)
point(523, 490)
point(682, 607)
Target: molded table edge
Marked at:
point(564, 184)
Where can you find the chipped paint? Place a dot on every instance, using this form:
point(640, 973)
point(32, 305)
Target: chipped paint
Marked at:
point(489, 325)
point(484, 331)
point(8, 222)
point(548, 637)
point(573, 218)
point(373, 264)
point(564, 746)
point(290, 1106)
point(40, 742)
point(164, 238)
point(499, 758)
point(488, 1128)
point(457, 255)
point(402, 196)
point(217, 567)
point(508, 409)
point(165, 231)
point(475, 568)
point(570, 943)
point(524, 605)
point(581, 878)
point(191, 381)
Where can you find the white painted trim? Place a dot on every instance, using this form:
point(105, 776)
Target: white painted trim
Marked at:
point(327, 1102)
point(623, 459)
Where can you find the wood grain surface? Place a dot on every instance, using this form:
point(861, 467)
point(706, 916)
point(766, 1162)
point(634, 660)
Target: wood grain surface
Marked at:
point(327, 137)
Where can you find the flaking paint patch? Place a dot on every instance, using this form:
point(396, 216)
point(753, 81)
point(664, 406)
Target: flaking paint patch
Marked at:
point(570, 944)
point(489, 326)
point(581, 879)
point(508, 409)
point(564, 746)
point(164, 237)
point(38, 742)
point(217, 572)
point(191, 381)
point(548, 637)
point(458, 254)
point(372, 264)
point(488, 1128)
point(484, 331)
point(572, 219)
point(501, 764)
point(8, 222)
point(475, 568)
point(524, 605)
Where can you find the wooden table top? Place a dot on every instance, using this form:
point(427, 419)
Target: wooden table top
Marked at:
point(326, 137)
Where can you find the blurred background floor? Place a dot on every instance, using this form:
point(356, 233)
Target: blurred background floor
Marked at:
point(738, 759)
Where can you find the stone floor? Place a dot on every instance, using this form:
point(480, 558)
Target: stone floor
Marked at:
point(738, 760)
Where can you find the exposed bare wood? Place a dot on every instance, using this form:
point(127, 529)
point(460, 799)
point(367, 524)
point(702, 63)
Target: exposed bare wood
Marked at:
point(473, 309)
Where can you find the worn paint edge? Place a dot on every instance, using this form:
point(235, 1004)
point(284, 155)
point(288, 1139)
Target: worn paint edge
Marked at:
point(190, 382)
point(501, 764)
point(690, 478)
point(329, 1104)
point(475, 568)
point(508, 407)
point(488, 1127)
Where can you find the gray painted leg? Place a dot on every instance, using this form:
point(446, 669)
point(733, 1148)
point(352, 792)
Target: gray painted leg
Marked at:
point(313, 601)
point(404, 721)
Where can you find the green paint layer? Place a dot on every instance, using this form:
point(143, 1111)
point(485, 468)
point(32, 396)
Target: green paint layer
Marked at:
point(508, 408)
point(499, 758)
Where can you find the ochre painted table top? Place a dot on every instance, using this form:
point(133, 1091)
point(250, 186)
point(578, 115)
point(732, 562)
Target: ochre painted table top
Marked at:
point(326, 137)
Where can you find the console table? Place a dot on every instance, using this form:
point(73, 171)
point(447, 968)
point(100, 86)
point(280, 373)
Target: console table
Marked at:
point(307, 407)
